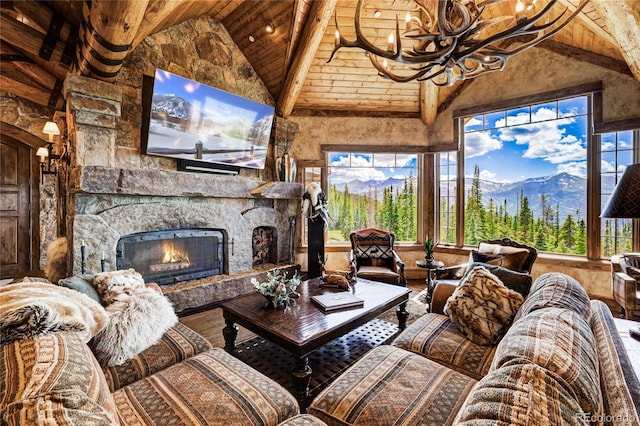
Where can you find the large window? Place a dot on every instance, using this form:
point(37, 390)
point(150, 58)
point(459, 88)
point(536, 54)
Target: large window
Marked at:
point(364, 190)
point(525, 172)
point(526, 175)
point(447, 171)
point(616, 152)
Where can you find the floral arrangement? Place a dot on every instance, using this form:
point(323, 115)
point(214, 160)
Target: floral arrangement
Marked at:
point(278, 289)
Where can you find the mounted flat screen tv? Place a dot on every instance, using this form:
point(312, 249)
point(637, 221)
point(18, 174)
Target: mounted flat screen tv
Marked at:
point(187, 120)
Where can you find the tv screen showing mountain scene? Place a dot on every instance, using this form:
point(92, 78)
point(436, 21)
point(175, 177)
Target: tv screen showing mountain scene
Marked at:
point(193, 121)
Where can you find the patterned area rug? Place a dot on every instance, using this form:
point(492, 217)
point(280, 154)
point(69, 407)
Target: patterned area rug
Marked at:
point(416, 308)
point(332, 359)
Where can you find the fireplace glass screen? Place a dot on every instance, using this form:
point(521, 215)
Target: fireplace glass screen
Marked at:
point(166, 257)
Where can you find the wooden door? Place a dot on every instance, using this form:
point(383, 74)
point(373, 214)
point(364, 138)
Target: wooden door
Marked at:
point(16, 219)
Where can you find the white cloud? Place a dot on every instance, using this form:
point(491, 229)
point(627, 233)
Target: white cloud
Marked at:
point(607, 166)
point(480, 143)
point(546, 139)
point(340, 175)
point(607, 146)
point(576, 168)
point(559, 151)
point(489, 176)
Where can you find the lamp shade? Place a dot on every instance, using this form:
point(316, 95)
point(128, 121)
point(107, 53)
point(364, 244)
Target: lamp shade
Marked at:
point(51, 128)
point(625, 200)
point(42, 152)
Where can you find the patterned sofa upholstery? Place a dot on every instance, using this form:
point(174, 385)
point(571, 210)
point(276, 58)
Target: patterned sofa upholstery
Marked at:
point(561, 362)
point(55, 379)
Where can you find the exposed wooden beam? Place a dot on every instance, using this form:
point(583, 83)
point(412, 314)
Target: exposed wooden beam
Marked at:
point(572, 5)
point(428, 102)
point(21, 86)
point(25, 65)
point(106, 36)
point(622, 18)
point(300, 10)
point(460, 87)
point(157, 12)
point(312, 35)
point(30, 41)
point(42, 15)
point(586, 56)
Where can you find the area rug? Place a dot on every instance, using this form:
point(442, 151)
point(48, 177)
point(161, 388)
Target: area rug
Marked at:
point(332, 359)
point(416, 306)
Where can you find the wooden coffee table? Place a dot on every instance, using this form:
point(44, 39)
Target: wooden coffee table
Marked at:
point(303, 327)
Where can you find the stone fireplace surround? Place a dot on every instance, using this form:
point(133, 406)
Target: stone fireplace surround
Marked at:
point(111, 203)
point(113, 190)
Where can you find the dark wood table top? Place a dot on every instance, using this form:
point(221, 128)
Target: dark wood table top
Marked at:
point(304, 326)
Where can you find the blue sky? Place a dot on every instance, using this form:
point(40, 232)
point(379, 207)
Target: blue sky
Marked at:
point(508, 146)
point(219, 105)
point(518, 144)
point(371, 167)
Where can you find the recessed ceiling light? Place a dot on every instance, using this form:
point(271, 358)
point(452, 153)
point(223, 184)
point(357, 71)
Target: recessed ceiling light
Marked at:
point(269, 28)
point(252, 38)
point(377, 14)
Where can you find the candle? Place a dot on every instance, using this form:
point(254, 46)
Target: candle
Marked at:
point(103, 262)
point(83, 257)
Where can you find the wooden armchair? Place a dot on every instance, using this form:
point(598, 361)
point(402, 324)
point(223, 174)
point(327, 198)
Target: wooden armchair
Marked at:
point(625, 282)
point(374, 257)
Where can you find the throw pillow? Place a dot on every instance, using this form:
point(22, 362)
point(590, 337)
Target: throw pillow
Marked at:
point(116, 285)
point(483, 306)
point(490, 259)
point(37, 309)
point(137, 320)
point(83, 284)
point(518, 281)
point(634, 272)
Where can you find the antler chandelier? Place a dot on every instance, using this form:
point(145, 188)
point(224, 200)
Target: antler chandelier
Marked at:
point(454, 42)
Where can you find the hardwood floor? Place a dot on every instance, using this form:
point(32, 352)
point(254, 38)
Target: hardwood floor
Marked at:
point(210, 323)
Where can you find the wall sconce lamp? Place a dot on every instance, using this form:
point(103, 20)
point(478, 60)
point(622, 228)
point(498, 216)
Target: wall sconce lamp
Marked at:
point(47, 154)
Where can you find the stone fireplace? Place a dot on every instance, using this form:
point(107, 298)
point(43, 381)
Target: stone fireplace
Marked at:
point(121, 202)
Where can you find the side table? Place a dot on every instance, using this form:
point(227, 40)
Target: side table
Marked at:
point(430, 267)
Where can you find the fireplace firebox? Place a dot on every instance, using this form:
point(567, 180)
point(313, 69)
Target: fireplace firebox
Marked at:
point(166, 257)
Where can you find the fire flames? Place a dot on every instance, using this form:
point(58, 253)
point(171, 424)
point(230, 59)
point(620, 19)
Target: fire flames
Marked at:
point(172, 260)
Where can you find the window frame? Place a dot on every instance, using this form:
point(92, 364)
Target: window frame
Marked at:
point(424, 196)
point(595, 128)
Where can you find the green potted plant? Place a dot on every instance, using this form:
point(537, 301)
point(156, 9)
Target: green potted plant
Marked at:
point(428, 249)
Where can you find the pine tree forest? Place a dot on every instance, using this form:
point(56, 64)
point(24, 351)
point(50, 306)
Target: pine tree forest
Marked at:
point(394, 210)
point(490, 219)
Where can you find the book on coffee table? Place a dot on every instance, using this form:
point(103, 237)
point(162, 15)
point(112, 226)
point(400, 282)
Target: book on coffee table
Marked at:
point(334, 301)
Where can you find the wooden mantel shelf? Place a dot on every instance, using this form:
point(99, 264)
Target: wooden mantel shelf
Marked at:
point(279, 190)
point(166, 183)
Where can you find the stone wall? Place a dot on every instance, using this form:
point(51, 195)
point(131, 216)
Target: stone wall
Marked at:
point(115, 190)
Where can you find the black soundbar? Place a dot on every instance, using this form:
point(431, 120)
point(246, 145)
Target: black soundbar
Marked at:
point(204, 167)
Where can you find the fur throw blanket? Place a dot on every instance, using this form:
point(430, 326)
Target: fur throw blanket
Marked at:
point(138, 316)
point(33, 309)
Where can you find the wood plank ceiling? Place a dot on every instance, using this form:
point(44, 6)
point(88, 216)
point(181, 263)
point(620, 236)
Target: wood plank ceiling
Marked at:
point(292, 60)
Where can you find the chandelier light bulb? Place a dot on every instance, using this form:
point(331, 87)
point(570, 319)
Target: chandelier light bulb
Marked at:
point(390, 39)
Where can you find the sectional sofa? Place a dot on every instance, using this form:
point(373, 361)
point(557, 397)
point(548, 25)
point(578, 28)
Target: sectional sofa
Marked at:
point(558, 363)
